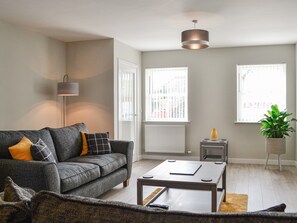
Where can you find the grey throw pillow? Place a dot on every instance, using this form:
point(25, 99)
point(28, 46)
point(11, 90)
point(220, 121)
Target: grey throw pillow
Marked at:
point(15, 193)
point(41, 152)
point(98, 143)
point(276, 208)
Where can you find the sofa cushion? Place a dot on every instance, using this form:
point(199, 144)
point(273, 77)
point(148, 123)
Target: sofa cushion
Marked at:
point(107, 162)
point(21, 150)
point(15, 193)
point(68, 141)
point(98, 143)
point(41, 152)
point(73, 175)
point(43, 134)
point(9, 138)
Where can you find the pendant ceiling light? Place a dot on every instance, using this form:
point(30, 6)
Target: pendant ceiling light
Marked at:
point(194, 39)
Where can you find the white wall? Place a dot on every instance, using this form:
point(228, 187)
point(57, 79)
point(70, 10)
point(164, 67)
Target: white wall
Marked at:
point(30, 65)
point(91, 64)
point(212, 94)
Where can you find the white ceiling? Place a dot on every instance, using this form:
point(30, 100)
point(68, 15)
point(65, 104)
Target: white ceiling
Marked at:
point(157, 24)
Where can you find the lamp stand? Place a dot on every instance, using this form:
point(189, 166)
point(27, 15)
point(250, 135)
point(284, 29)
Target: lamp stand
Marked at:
point(64, 111)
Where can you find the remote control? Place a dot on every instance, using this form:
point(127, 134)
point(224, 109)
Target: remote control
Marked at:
point(162, 206)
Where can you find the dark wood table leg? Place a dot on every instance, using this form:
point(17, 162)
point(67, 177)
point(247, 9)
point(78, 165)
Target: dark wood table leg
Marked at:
point(224, 184)
point(214, 198)
point(139, 193)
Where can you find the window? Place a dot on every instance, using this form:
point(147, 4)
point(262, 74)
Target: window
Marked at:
point(259, 87)
point(167, 94)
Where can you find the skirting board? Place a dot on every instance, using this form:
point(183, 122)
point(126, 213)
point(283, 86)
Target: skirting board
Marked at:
point(230, 160)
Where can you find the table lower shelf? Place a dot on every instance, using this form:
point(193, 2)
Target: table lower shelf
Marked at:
point(187, 200)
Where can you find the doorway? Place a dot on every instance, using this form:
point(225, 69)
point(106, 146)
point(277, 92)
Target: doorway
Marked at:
point(127, 104)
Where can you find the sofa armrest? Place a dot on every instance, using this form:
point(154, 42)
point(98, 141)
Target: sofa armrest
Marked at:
point(38, 175)
point(124, 147)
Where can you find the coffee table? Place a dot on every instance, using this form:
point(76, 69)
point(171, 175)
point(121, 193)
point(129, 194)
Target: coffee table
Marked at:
point(162, 177)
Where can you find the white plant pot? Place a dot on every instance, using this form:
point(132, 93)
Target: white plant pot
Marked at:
point(275, 145)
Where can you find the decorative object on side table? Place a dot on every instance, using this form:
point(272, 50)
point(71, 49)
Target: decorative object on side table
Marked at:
point(214, 134)
point(275, 127)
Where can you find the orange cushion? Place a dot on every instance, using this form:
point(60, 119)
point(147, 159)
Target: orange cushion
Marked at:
point(21, 150)
point(84, 144)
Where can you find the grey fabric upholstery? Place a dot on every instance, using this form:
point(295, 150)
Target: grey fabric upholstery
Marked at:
point(68, 141)
point(73, 175)
point(38, 175)
point(15, 193)
point(43, 134)
point(107, 162)
point(101, 185)
point(62, 208)
point(65, 143)
point(126, 148)
point(9, 138)
point(15, 212)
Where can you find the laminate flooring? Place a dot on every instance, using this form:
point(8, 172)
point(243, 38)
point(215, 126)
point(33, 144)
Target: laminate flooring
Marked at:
point(264, 187)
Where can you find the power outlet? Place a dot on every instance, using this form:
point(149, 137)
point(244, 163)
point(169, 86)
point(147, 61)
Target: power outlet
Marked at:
point(189, 151)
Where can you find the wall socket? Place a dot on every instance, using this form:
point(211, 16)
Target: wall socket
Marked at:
point(189, 151)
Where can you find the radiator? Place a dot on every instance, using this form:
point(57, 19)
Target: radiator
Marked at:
point(164, 138)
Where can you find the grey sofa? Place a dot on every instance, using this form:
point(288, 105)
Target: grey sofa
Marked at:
point(48, 206)
point(89, 175)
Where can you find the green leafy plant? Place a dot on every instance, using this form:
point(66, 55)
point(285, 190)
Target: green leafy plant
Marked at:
point(276, 124)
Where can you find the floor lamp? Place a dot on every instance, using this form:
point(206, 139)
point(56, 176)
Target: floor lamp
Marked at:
point(66, 89)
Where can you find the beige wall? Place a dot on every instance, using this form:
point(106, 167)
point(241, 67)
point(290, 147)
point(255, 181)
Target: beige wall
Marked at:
point(91, 64)
point(212, 94)
point(30, 65)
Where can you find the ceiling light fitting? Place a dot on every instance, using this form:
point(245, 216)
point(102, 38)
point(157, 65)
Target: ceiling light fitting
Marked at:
point(194, 39)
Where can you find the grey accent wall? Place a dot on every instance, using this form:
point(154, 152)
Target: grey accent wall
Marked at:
point(30, 65)
point(91, 63)
point(212, 94)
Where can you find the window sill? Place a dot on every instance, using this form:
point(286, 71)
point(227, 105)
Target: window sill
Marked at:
point(236, 122)
point(166, 122)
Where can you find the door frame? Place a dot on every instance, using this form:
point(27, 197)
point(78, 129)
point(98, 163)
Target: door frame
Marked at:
point(137, 143)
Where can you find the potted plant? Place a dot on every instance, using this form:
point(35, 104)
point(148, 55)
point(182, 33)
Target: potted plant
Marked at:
point(275, 127)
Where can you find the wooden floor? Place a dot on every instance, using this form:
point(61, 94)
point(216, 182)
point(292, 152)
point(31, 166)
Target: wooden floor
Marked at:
point(265, 187)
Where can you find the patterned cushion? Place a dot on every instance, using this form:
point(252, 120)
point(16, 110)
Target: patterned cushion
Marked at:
point(14, 193)
point(98, 143)
point(41, 152)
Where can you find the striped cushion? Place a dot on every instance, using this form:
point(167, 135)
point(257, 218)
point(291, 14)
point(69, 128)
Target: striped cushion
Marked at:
point(98, 143)
point(41, 152)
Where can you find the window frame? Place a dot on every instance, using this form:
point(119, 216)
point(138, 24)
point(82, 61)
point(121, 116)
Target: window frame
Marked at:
point(238, 85)
point(146, 101)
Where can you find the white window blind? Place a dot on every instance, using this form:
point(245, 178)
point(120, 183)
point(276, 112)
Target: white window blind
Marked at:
point(259, 87)
point(167, 94)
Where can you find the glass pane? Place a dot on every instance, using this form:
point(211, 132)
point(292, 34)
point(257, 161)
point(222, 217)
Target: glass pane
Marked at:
point(166, 94)
point(259, 87)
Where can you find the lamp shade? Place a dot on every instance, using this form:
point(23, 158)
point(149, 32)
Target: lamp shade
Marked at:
point(68, 89)
point(195, 39)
